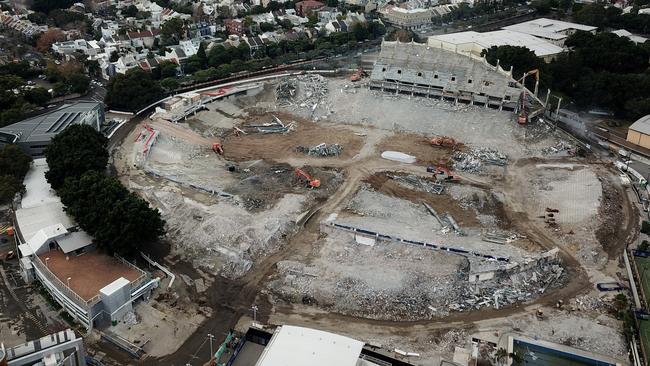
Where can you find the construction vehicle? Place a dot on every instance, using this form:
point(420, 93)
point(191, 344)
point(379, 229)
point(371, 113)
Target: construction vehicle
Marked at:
point(445, 141)
point(522, 115)
point(217, 148)
point(303, 175)
point(357, 75)
point(441, 173)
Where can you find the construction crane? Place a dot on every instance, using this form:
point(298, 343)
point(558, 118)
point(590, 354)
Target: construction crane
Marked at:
point(313, 183)
point(535, 72)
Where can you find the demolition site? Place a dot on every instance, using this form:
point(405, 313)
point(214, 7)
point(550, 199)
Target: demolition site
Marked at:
point(419, 206)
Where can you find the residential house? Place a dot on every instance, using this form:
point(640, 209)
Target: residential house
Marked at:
point(305, 7)
point(235, 26)
point(256, 45)
point(409, 19)
point(328, 14)
point(144, 38)
point(336, 26)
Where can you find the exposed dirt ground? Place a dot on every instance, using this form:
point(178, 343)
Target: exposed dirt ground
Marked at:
point(275, 147)
point(416, 145)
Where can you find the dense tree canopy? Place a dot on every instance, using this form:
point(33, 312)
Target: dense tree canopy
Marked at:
point(73, 152)
point(120, 221)
point(14, 164)
point(601, 70)
point(133, 90)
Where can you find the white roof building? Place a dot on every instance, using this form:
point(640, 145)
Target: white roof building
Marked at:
point(632, 37)
point(474, 42)
point(298, 346)
point(554, 31)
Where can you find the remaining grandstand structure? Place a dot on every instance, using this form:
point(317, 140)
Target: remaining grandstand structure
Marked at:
point(418, 69)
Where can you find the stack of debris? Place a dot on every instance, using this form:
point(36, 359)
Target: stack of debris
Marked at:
point(285, 91)
point(275, 126)
point(560, 146)
point(321, 150)
point(418, 183)
point(474, 160)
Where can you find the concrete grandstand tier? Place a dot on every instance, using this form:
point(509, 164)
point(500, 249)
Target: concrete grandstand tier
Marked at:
point(418, 69)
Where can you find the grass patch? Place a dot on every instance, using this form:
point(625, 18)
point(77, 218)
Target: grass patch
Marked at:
point(644, 331)
point(643, 266)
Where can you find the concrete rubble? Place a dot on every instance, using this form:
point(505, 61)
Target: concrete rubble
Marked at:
point(474, 160)
point(307, 91)
point(418, 183)
point(321, 150)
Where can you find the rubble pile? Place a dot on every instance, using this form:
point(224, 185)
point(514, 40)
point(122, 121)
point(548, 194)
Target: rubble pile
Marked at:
point(474, 160)
point(321, 150)
point(509, 288)
point(418, 183)
point(560, 146)
point(285, 90)
point(275, 126)
point(307, 92)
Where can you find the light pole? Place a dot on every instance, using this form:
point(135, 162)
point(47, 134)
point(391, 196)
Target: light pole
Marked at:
point(255, 309)
point(46, 260)
point(68, 280)
point(211, 340)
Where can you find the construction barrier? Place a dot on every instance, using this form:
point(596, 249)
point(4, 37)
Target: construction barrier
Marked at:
point(418, 243)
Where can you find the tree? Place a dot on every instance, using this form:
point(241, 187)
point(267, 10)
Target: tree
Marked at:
point(9, 186)
point(266, 27)
point(78, 83)
point(172, 31)
point(120, 221)
point(14, 161)
point(167, 69)
point(38, 96)
point(73, 152)
point(114, 57)
point(14, 164)
point(169, 84)
point(202, 56)
point(130, 11)
point(133, 90)
point(48, 38)
point(520, 58)
point(46, 6)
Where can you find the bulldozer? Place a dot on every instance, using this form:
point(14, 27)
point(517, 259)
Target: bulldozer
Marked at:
point(303, 175)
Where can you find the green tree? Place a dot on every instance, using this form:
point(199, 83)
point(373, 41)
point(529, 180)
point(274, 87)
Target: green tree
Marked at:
point(169, 84)
point(9, 186)
point(133, 90)
point(38, 96)
point(167, 69)
point(202, 56)
point(14, 164)
point(73, 152)
point(520, 58)
point(14, 161)
point(130, 11)
point(172, 31)
point(78, 83)
point(266, 27)
point(120, 221)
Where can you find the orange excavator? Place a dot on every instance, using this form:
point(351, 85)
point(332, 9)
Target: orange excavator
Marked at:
point(217, 148)
point(357, 75)
point(445, 141)
point(313, 183)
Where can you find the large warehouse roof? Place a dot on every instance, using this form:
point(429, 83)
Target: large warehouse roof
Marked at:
point(298, 346)
point(46, 126)
point(642, 125)
point(541, 47)
point(548, 28)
